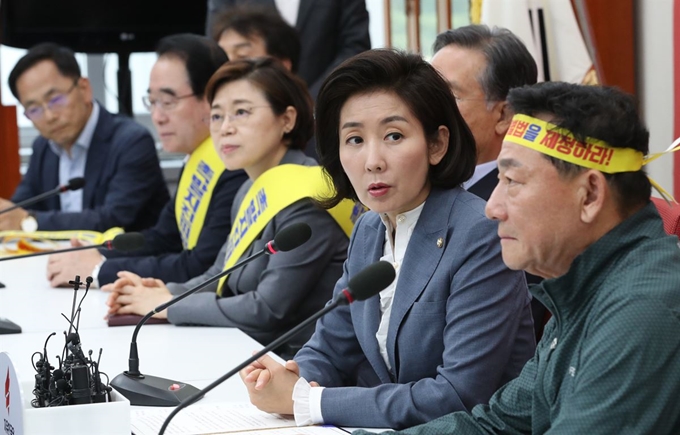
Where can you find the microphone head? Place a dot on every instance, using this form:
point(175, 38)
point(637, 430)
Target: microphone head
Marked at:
point(371, 280)
point(75, 183)
point(58, 374)
point(127, 242)
point(291, 237)
point(73, 338)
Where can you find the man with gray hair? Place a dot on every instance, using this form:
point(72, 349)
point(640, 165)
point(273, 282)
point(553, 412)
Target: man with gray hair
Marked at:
point(481, 66)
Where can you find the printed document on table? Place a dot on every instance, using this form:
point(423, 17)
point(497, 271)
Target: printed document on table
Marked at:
point(228, 418)
point(306, 430)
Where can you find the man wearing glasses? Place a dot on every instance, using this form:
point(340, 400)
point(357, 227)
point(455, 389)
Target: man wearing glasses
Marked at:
point(124, 185)
point(192, 228)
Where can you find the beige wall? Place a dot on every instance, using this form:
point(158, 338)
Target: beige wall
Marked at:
point(654, 53)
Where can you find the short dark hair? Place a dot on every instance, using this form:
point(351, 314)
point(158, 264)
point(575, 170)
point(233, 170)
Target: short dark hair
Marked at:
point(280, 87)
point(200, 54)
point(420, 87)
point(599, 112)
point(509, 63)
point(63, 58)
point(281, 39)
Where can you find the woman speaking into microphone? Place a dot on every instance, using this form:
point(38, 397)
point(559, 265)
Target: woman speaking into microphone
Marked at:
point(260, 120)
point(456, 323)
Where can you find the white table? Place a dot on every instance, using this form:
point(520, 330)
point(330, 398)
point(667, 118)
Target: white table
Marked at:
point(29, 301)
point(196, 355)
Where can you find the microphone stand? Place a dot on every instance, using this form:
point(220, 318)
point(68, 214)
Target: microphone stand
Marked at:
point(33, 200)
point(342, 299)
point(367, 283)
point(9, 327)
point(38, 254)
point(145, 390)
point(73, 184)
point(122, 242)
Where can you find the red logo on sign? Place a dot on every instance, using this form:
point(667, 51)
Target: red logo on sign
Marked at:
point(7, 392)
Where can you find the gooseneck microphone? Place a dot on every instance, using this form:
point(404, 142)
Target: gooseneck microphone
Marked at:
point(123, 242)
point(73, 184)
point(145, 390)
point(369, 282)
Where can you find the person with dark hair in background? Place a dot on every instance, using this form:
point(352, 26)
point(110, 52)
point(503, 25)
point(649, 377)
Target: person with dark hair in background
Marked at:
point(481, 66)
point(330, 31)
point(455, 324)
point(573, 207)
point(124, 185)
point(260, 120)
point(192, 227)
point(249, 31)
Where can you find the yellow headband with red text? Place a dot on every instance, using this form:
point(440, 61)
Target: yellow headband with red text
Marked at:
point(560, 143)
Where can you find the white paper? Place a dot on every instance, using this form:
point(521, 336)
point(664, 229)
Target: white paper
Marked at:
point(307, 430)
point(207, 419)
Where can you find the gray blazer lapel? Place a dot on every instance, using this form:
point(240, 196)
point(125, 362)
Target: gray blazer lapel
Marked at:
point(366, 314)
point(421, 260)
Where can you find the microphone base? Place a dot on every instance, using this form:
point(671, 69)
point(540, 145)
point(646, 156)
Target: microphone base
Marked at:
point(9, 327)
point(148, 390)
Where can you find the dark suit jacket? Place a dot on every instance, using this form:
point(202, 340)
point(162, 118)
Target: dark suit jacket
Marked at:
point(124, 185)
point(330, 32)
point(460, 325)
point(163, 256)
point(485, 186)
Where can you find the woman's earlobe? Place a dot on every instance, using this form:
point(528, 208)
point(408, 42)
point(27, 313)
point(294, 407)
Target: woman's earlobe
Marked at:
point(439, 148)
point(290, 120)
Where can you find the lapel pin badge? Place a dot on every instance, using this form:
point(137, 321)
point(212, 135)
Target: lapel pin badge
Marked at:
point(440, 242)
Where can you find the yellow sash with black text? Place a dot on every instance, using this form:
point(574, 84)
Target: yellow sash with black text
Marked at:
point(273, 191)
point(195, 190)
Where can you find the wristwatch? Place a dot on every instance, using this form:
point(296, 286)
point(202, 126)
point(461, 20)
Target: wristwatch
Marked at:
point(29, 224)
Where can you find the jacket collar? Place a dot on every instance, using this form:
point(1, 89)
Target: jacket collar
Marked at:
point(566, 294)
point(420, 262)
point(297, 157)
point(97, 155)
point(303, 12)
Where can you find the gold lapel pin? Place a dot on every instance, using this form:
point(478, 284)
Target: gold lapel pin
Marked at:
point(440, 242)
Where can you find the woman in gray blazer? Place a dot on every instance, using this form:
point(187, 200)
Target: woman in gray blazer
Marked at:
point(456, 323)
point(261, 118)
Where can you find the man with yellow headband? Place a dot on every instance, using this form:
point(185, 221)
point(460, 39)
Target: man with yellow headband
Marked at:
point(194, 225)
point(573, 206)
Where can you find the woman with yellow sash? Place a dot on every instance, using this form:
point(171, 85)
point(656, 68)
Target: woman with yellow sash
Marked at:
point(260, 120)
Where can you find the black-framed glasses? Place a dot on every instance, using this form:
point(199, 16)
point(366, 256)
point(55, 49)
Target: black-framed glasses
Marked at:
point(56, 103)
point(166, 102)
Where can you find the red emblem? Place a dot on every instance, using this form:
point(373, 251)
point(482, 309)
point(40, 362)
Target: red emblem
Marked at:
point(7, 392)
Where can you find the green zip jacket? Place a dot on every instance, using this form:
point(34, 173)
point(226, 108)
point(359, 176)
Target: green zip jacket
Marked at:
point(609, 359)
